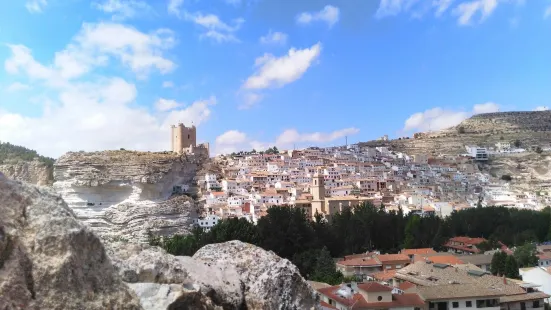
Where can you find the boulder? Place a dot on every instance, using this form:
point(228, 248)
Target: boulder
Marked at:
point(48, 260)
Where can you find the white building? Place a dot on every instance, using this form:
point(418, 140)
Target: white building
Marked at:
point(207, 222)
point(477, 152)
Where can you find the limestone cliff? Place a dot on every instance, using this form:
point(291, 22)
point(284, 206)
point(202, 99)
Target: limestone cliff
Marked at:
point(123, 194)
point(230, 275)
point(34, 172)
point(48, 260)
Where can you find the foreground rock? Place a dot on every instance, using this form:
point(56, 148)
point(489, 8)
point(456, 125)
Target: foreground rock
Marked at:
point(231, 275)
point(122, 194)
point(48, 260)
point(34, 172)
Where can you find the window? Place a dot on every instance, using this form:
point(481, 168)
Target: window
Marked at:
point(536, 304)
point(380, 298)
point(468, 304)
point(522, 306)
point(455, 304)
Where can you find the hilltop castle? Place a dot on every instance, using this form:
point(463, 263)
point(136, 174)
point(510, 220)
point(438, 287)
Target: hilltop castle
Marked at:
point(184, 140)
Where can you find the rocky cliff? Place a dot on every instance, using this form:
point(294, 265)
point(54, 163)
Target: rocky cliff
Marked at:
point(530, 128)
point(123, 194)
point(34, 172)
point(230, 275)
point(48, 260)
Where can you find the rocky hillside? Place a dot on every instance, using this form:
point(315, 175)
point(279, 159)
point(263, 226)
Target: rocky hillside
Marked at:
point(530, 128)
point(123, 194)
point(49, 260)
point(20, 163)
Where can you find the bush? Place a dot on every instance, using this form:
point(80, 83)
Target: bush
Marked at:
point(506, 177)
point(461, 129)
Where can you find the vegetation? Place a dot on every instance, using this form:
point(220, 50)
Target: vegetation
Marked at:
point(12, 153)
point(511, 267)
point(497, 267)
point(517, 143)
point(310, 244)
point(506, 177)
point(272, 150)
point(461, 129)
point(525, 255)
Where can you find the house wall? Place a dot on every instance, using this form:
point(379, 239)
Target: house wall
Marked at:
point(462, 304)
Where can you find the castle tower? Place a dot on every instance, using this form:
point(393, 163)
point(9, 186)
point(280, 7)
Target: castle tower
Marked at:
point(183, 137)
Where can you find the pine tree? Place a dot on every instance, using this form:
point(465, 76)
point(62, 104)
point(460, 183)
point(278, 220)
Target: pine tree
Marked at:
point(511, 267)
point(325, 270)
point(498, 265)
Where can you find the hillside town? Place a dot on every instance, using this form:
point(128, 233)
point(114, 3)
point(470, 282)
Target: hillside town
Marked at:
point(327, 180)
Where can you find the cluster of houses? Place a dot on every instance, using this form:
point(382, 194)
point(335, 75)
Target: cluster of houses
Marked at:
point(415, 279)
point(327, 180)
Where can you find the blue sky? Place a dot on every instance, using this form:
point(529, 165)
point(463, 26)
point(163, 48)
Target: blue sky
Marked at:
point(106, 74)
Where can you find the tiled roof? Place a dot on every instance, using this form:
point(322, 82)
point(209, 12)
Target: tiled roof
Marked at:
point(390, 258)
point(524, 297)
point(384, 275)
point(358, 301)
point(406, 285)
point(477, 259)
point(361, 261)
point(372, 287)
point(456, 291)
point(418, 251)
point(439, 259)
point(467, 240)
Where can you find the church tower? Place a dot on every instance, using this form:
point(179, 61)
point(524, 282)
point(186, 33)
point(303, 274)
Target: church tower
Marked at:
point(318, 186)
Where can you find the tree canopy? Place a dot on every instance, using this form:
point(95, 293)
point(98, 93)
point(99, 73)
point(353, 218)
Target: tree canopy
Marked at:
point(14, 153)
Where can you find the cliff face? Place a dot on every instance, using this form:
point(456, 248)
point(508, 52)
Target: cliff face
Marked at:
point(123, 194)
point(48, 260)
point(34, 172)
point(530, 128)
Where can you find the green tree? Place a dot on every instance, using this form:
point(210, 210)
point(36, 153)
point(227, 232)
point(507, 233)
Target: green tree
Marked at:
point(525, 255)
point(548, 236)
point(325, 270)
point(233, 229)
point(517, 143)
point(497, 266)
point(511, 267)
point(412, 232)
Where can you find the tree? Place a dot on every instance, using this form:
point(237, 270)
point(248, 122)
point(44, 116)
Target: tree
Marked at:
point(325, 270)
point(525, 255)
point(461, 129)
point(412, 232)
point(548, 236)
point(506, 177)
point(517, 143)
point(497, 266)
point(511, 267)
point(539, 150)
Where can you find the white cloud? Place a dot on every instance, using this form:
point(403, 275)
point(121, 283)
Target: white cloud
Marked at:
point(166, 105)
point(36, 6)
point(174, 6)
point(488, 107)
point(168, 84)
point(329, 14)
point(541, 108)
point(92, 47)
point(123, 9)
point(234, 140)
point(441, 6)
point(467, 10)
point(393, 7)
point(94, 112)
point(17, 87)
point(211, 25)
point(249, 100)
point(547, 12)
point(438, 118)
point(274, 38)
point(277, 72)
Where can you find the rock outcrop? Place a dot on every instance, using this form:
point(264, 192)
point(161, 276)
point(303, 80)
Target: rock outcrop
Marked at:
point(34, 172)
point(231, 275)
point(123, 194)
point(48, 260)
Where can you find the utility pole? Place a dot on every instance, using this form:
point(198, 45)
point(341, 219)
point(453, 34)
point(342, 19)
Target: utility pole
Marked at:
point(346, 141)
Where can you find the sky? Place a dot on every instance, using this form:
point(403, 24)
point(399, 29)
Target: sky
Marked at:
point(250, 74)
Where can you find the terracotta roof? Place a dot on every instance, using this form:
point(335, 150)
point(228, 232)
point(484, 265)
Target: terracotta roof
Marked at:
point(467, 240)
point(358, 301)
point(372, 287)
point(384, 275)
point(524, 297)
point(418, 251)
point(406, 285)
point(389, 258)
point(439, 259)
point(326, 305)
point(361, 261)
point(456, 291)
point(218, 193)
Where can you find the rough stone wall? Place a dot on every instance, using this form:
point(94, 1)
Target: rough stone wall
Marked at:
point(34, 172)
point(49, 260)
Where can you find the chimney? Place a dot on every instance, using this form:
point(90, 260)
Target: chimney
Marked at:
point(504, 280)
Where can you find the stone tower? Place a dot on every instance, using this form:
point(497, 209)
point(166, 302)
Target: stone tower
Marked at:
point(183, 137)
point(318, 186)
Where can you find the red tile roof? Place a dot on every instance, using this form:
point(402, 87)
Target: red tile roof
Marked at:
point(358, 301)
point(361, 261)
point(391, 258)
point(418, 251)
point(439, 259)
point(384, 275)
point(372, 287)
point(467, 240)
point(406, 285)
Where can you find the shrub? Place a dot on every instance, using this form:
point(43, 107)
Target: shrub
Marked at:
point(506, 177)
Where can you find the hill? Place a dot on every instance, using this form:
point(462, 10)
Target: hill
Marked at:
point(20, 163)
point(529, 128)
point(10, 154)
